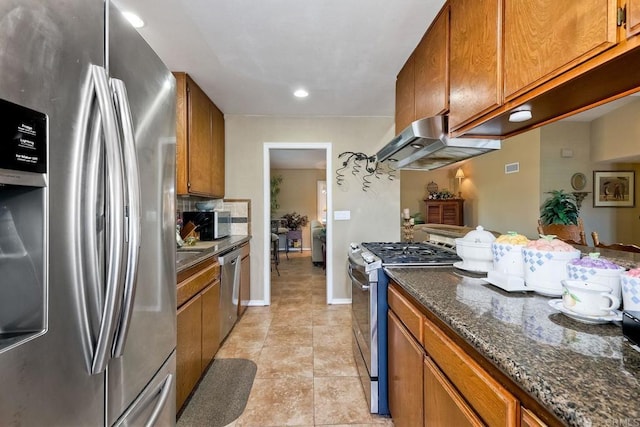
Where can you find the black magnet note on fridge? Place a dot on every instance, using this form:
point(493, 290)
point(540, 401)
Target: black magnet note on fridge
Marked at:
point(23, 138)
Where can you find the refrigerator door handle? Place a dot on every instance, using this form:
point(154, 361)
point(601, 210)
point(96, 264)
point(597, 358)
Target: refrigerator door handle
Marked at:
point(133, 234)
point(115, 221)
point(165, 391)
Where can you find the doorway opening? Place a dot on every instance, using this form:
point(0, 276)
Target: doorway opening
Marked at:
point(298, 151)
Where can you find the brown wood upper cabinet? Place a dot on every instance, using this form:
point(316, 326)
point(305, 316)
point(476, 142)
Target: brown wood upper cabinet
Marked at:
point(432, 68)
point(200, 141)
point(632, 10)
point(422, 86)
point(475, 58)
point(543, 38)
point(405, 95)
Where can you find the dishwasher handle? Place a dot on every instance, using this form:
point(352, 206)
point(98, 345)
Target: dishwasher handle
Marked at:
point(229, 257)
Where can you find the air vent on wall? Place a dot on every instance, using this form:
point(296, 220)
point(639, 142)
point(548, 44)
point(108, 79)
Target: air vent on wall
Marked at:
point(512, 167)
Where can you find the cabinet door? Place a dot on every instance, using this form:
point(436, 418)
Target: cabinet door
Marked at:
point(245, 283)
point(434, 213)
point(200, 146)
point(405, 96)
point(443, 405)
point(529, 419)
point(474, 71)
point(432, 69)
point(188, 348)
point(451, 213)
point(210, 322)
point(405, 375)
point(216, 168)
point(633, 17)
point(545, 37)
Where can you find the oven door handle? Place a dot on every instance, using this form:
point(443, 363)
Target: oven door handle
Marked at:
point(363, 287)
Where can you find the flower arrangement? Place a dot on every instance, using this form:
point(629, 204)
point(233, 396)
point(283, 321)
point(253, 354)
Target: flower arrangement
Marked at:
point(441, 195)
point(295, 221)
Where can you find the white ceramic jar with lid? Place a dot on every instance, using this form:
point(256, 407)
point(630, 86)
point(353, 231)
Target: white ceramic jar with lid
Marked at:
point(475, 250)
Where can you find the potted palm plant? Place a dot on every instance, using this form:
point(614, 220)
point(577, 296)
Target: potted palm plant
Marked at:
point(559, 217)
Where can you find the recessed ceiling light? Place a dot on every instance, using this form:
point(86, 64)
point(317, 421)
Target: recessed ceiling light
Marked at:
point(134, 19)
point(301, 93)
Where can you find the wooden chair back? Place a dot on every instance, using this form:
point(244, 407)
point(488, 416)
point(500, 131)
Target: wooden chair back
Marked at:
point(615, 246)
point(572, 234)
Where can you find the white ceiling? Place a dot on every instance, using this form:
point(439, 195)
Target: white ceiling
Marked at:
point(250, 55)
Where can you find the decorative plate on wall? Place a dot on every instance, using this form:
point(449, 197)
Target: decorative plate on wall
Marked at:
point(578, 181)
point(432, 187)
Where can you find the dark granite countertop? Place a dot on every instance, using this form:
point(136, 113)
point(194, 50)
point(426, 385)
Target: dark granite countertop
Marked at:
point(196, 255)
point(587, 375)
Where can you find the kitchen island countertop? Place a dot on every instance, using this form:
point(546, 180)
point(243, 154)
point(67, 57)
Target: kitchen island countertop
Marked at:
point(587, 375)
point(199, 255)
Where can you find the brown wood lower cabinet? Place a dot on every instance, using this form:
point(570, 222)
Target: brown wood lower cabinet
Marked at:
point(443, 405)
point(210, 322)
point(188, 349)
point(433, 382)
point(405, 375)
point(198, 321)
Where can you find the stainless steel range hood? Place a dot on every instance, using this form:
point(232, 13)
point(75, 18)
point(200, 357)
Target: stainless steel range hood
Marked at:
point(425, 145)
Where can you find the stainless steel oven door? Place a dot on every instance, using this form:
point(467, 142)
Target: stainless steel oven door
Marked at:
point(361, 312)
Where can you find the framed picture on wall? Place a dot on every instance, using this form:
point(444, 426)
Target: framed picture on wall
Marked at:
point(614, 189)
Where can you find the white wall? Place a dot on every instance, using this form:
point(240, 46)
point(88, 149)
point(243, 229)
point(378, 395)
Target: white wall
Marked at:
point(374, 214)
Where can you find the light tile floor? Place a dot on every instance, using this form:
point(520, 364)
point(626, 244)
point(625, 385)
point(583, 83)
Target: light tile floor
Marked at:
point(302, 346)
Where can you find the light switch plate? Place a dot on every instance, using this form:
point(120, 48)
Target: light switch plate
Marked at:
point(341, 215)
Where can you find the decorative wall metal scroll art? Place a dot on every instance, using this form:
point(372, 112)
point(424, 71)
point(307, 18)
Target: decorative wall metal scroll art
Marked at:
point(363, 166)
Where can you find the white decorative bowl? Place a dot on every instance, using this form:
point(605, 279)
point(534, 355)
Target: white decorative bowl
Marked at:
point(507, 259)
point(544, 270)
point(475, 250)
point(602, 276)
point(630, 292)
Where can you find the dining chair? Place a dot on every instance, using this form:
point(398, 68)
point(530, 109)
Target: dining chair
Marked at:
point(615, 246)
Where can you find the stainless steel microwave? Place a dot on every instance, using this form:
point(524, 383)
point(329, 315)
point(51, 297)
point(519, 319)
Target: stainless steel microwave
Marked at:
point(212, 225)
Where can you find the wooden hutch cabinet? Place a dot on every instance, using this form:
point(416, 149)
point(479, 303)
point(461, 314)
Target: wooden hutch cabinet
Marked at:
point(450, 212)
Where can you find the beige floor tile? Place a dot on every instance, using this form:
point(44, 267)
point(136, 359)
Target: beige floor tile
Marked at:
point(285, 362)
point(332, 335)
point(340, 400)
point(279, 402)
point(299, 318)
point(331, 317)
point(242, 350)
point(332, 362)
point(302, 346)
point(290, 336)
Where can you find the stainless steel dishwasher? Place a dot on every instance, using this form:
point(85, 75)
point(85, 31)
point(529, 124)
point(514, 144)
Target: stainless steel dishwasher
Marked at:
point(229, 289)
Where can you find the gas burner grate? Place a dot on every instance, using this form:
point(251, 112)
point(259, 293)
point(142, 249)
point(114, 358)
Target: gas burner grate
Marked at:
point(419, 254)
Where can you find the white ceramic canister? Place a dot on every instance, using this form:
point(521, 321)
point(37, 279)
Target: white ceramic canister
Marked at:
point(544, 270)
point(475, 250)
point(609, 277)
point(507, 259)
point(630, 291)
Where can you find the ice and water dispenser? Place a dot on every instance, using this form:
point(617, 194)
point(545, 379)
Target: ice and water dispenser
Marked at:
point(23, 224)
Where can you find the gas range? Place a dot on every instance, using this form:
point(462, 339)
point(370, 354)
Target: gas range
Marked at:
point(407, 254)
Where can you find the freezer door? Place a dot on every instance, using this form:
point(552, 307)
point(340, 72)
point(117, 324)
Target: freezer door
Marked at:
point(45, 54)
point(151, 334)
point(156, 405)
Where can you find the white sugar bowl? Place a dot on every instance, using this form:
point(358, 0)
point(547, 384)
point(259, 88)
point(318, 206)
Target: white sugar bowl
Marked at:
point(475, 250)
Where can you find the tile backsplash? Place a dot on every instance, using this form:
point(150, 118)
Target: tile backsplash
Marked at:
point(240, 211)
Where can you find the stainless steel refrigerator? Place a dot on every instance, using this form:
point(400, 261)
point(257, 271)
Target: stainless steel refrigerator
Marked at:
point(87, 219)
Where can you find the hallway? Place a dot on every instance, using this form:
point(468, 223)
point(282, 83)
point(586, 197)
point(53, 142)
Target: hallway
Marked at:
point(306, 374)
